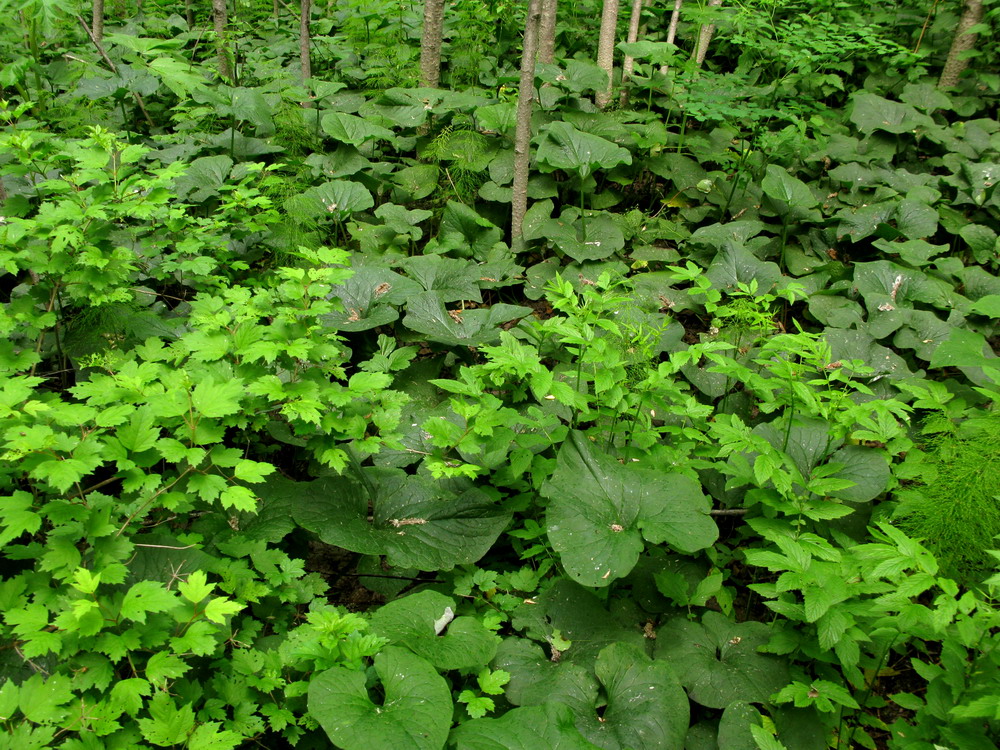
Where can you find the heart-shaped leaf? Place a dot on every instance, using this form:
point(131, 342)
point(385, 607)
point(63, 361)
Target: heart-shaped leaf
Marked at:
point(413, 622)
point(353, 129)
point(564, 147)
point(414, 523)
point(717, 660)
point(426, 314)
point(549, 726)
point(415, 713)
point(599, 512)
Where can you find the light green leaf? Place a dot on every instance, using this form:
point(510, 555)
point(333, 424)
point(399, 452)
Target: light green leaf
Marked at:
point(211, 736)
point(168, 724)
point(196, 587)
point(416, 711)
point(145, 597)
point(42, 699)
point(214, 400)
point(17, 516)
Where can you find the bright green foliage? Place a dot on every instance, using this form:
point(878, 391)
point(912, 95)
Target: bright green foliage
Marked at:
point(267, 351)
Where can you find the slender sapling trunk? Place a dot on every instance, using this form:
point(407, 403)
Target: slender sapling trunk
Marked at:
point(606, 48)
point(522, 131)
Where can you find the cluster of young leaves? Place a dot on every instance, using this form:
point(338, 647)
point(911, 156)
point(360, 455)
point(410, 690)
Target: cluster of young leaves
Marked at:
point(194, 383)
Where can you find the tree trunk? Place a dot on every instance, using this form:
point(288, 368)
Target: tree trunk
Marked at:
point(962, 42)
point(98, 24)
point(275, 9)
point(547, 32)
point(305, 39)
point(606, 48)
point(522, 131)
point(704, 37)
point(189, 13)
point(628, 65)
point(430, 43)
point(675, 18)
point(220, 18)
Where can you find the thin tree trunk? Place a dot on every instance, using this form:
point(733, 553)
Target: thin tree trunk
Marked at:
point(98, 24)
point(220, 19)
point(522, 131)
point(430, 43)
point(189, 13)
point(606, 48)
point(675, 18)
point(547, 32)
point(628, 65)
point(305, 39)
point(704, 37)
point(963, 41)
point(275, 9)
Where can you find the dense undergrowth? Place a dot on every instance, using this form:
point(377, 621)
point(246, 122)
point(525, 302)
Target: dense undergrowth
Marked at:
point(711, 463)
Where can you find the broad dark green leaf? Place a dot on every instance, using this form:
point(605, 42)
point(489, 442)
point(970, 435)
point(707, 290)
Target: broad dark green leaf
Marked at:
point(353, 129)
point(415, 712)
point(717, 660)
point(413, 523)
point(550, 726)
point(423, 622)
point(599, 511)
point(426, 314)
point(562, 146)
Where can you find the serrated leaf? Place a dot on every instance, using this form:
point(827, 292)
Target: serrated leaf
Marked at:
point(168, 724)
point(145, 597)
point(217, 610)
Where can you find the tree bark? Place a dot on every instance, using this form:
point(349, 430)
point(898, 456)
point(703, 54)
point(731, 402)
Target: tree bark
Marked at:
point(98, 23)
point(220, 19)
point(522, 131)
point(606, 48)
point(305, 39)
point(189, 13)
point(675, 18)
point(430, 43)
point(628, 65)
point(963, 41)
point(704, 37)
point(547, 32)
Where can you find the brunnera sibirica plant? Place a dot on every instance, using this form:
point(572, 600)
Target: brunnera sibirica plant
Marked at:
point(305, 444)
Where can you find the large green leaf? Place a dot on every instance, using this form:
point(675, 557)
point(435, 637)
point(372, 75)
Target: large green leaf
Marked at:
point(592, 238)
point(337, 198)
point(423, 623)
point(599, 511)
point(564, 147)
point(370, 298)
point(414, 523)
point(426, 314)
point(780, 185)
point(452, 278)
point(646, 706)
point(717, 660)
point(530, 728)
point(415, 712)
point(353, 129)
point(580, 617)
point(734, 726)
point(735, 264)
point(871, 112)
